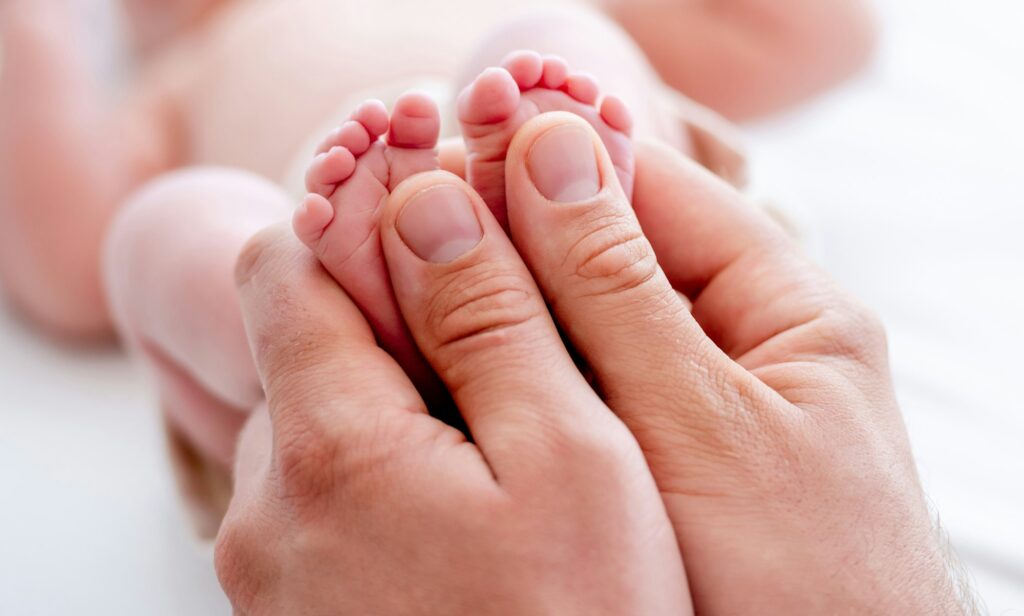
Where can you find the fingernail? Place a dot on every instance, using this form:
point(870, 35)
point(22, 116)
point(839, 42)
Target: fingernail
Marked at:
point(439, 224)
point(563, 165)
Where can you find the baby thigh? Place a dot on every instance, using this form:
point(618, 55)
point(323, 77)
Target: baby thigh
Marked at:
point(169, 267)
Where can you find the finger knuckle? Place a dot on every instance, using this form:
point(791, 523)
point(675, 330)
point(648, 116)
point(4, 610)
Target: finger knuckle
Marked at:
point(482, 304)
point(362, 457)
point(236, 564)
point(565, 449)
point(296, 357)
point(382, 458)
point(857, 333)
point(612, 256)
point(605, 440)
point(305, 460)
point(727, 412)
point(256, 253)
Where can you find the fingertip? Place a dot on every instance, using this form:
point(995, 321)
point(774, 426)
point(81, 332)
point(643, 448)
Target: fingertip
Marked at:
point(567, 163)
point(415, 185)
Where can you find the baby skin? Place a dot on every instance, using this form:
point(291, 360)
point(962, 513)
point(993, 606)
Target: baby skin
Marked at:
point(361, 162)
point(201, 99)
point(180, 236)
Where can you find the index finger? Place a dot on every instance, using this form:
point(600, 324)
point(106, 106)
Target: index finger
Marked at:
point(747, 278)
point(315, 352)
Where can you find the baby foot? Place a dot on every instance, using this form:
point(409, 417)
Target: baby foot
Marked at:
point(501, 100)
point(352, 175)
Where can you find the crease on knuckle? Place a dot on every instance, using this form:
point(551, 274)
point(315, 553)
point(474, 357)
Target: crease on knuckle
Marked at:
point(237, 564)
point(480, 303)
point(256, 255)
point(854, 332)
point(564, 454)
point(386, 453)
point(360, 457)
point(305, 459)
point(603, 440)
point(714, 413)
point(612, 257)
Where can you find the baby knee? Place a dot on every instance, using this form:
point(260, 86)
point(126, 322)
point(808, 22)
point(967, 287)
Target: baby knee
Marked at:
point(155, 225)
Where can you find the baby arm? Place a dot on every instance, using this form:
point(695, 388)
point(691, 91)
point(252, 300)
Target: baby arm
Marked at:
point(746, 58)
point(67, 159)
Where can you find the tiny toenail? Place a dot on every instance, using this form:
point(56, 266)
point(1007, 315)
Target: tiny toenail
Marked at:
point(439, 224)
point(563, 165)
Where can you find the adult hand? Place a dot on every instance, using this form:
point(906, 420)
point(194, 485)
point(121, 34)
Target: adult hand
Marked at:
point(351, 499)
point(766, 415)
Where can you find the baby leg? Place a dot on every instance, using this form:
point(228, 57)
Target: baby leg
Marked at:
point(65, 165)
point(169, 267)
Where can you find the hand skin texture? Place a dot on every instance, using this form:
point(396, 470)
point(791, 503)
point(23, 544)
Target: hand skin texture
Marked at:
point(351, 499)
point(766, 415)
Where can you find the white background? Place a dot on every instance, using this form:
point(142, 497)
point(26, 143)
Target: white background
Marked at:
point(909, 185)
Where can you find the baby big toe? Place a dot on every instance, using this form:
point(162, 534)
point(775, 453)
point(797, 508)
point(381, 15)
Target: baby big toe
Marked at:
point(412, 139)
point(491, 99)
point(415, 123)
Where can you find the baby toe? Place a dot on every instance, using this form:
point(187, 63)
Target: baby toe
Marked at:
point(582, 87)
point(311, 218)
point(556, 71)
point(492, 98)
point(616, 114)
point(415, 123)
point(526, 68)
point(355, 137)
point(329, 169)
point(373, 115)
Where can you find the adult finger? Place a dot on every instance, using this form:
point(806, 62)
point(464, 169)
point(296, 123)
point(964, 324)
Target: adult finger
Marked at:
point(315, 352)
point(748, 280)
point(575, 228)
point(478, 316)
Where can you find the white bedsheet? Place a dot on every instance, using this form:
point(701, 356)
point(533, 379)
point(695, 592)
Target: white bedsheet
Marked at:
point(909, 183)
